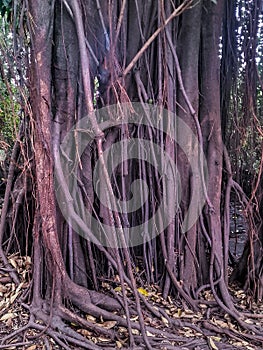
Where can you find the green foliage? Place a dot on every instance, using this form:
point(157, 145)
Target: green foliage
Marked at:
point(6, 8)
point(9, 91)
point(9, 110)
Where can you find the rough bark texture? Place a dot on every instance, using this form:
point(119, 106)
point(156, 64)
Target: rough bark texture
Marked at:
point(83, 56)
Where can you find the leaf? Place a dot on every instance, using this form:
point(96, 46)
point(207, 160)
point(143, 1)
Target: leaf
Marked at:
point(179, 312)
point(165, 321)
point(189, 312)
point(84, 332)
point(104, 340)
point(8, 316)
point(32, 347)
point(214, 2)
point(242, 345)
point(13, 297)
point(212, 344)
point(133, 319)
point(9, 323)
point(218, 339)
point(149, 334)
point(118, 344)
point(248, 321)
point(91, 318)
point(3, 303)
point(3, 288)
point(222, 324)
point(109, 324)
point(28, 262)
point(117, 289)
point(13, 263)
point(21, 285)
point(143, 291)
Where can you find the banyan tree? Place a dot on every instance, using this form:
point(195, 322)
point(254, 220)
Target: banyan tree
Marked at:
point(122, 173)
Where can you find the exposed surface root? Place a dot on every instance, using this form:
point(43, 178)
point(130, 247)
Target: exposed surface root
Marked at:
point(170, 326)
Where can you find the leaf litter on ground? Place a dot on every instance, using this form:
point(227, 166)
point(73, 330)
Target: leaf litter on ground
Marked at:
point(13, 316)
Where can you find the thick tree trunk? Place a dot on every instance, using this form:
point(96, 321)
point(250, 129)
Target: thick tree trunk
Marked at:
point(67, 93)
point(80, 51)
point(189, 56)
point(41, 79)
point(210, 117)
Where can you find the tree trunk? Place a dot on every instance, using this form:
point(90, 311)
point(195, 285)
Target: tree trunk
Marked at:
point(86, 55)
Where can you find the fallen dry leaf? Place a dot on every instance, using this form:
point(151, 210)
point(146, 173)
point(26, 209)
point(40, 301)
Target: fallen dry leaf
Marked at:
point(143, 291)
point(84, 332)
point(109, 324)
point(165, 321)
point(3, 289)
point(32, 347)
point(8, 316)
point(212, 344)
point(118, 345)
point(104, 340)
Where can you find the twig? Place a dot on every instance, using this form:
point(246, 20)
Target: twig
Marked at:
point(14, 345)
point(119, 22)
point(106, 35)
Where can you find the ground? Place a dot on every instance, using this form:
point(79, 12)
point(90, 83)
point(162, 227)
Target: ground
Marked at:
point(187, 328)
